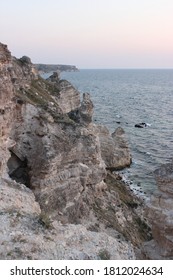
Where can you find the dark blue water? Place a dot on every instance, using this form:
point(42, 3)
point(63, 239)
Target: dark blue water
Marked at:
point(130, 97)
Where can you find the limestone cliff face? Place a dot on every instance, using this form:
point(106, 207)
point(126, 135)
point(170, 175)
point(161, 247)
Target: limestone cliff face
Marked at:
point(114, 148)
point(53, 160)
point(160, 213)
point(28, 233)
point(63, 160)
point(67, 97)
point(6, 106)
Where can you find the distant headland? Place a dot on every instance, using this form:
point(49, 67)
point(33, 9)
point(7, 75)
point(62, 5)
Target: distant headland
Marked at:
point(46, 68)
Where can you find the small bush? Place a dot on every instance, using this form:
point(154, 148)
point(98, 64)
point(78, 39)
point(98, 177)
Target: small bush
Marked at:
point(104, 254)
point(45, 220)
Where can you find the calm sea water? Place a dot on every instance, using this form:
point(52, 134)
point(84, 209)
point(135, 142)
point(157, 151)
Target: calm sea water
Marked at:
point(126, 97)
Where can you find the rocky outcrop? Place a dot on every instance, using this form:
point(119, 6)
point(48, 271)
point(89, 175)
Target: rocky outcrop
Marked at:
point(67, 97)
point(160, 213)
point(86, 109)
point(114, 148)
point(54, 183)
point(26, 233)
point(63, 159)
point(6, 107)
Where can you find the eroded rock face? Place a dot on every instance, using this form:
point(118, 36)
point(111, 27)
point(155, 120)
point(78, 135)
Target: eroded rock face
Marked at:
point(114, 148)
point(68, 98)
point(6, 107)
point(61, 156)
point(28, 234)
point(86, 109)
point(16, 76)
point(63, 159)
point(160, 212)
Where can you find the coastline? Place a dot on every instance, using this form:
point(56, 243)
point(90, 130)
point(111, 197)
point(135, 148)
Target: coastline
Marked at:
point(59, 167)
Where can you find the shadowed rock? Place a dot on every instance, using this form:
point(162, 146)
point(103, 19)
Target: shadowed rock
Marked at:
point(160, 213)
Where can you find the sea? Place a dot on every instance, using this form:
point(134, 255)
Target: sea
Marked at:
point(125, 97)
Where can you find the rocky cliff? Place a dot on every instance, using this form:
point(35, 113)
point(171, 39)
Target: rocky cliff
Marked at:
point(47, 68)
point(6, 107)
point(59, 199)
point(160, 213)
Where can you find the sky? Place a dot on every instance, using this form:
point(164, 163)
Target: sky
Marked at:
point(90, 33)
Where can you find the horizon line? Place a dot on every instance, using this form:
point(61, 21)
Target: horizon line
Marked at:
point(127, 68)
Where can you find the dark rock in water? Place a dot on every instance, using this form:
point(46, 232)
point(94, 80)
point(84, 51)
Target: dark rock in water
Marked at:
point(141, 125)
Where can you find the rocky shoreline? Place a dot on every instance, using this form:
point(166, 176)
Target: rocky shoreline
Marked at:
point(60, 197)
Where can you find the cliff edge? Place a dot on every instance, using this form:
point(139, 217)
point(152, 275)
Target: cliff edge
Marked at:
point(59, 199)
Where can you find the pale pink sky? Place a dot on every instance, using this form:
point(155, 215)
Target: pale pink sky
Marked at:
point(90, 33)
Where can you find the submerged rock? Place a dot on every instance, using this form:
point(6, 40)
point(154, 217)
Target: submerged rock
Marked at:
point(141, 125)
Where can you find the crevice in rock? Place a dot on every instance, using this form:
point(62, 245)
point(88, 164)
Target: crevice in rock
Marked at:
point(74, 115)
point(18, 169)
